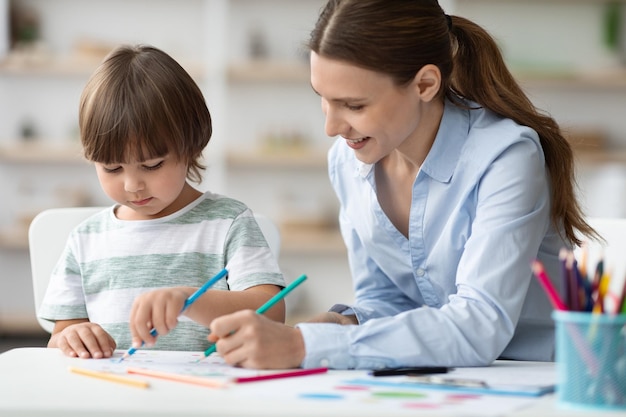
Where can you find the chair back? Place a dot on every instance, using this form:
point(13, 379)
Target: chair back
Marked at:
point(47, 236)
point(48, 233)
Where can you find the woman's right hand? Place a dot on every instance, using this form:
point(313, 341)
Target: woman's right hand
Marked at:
point(251, 340)
point(82, 339)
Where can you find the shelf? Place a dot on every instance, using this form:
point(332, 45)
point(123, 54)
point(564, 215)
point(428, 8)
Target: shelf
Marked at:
point(45, 65)
point(35, 152)
point(75, 66)
point(311, 240)
point(267, 71)
point(599, 157)
point(294, 240)
point(15, 238)
point(277, 159)
point(603, 79)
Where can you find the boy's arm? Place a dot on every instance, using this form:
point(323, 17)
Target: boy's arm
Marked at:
point(216, 303)
point(160, 309)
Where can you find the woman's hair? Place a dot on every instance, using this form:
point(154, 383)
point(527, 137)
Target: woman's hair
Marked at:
point(399, 37)
point(141, 104)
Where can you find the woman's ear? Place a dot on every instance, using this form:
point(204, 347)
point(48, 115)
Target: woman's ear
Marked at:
point(428, 82)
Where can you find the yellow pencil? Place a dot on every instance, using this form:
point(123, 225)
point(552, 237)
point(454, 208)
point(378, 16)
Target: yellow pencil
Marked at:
point(190, 379)
point(110, 377)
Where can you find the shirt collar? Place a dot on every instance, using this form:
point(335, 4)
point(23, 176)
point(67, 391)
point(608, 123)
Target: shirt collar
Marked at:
point(446, 150)
point(444, 155)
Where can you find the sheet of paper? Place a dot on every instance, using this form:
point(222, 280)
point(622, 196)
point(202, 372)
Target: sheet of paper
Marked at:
point(184, 363)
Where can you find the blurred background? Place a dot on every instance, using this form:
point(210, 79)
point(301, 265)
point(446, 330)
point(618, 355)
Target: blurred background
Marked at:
point(268, 147)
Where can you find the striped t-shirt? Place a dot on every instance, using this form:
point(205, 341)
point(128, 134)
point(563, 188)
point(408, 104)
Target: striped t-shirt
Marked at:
point(107, 262)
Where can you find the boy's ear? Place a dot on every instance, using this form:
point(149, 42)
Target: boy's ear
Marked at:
point(427, 82)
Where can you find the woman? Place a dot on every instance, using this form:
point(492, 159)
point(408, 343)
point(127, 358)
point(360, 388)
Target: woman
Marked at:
point(450, 184)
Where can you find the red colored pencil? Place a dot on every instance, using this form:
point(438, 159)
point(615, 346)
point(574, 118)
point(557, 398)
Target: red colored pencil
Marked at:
point(289, 374)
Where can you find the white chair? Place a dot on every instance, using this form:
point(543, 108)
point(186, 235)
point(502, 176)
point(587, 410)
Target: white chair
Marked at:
point(48, 233)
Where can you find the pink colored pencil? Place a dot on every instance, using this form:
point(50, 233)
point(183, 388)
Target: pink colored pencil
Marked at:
point(289, 374)
point(579, 342)
point(545, 282)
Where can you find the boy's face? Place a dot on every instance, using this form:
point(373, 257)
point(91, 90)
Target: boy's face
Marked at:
point(145, 190)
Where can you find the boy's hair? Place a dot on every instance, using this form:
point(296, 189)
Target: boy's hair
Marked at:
point(141, 104)
point(399, 37)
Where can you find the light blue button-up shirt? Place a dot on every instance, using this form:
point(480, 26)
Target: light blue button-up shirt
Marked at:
point(459, 291)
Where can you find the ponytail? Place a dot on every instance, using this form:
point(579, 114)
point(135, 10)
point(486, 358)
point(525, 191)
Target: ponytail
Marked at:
point(479, 74)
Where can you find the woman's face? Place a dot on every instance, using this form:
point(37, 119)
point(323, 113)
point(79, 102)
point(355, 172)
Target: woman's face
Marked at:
point(366, 108)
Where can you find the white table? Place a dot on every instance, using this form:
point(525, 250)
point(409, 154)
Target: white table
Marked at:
point(37, 382)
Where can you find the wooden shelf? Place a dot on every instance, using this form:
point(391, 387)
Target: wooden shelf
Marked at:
point(79, 66)
point(73, 66)
point(602, 79)
point(37, 152)
point(47, 66)
point(268, 71)
point(600, 157)
point(14, 238)
point(311, 240)
point(294, 240)
point(277, 159)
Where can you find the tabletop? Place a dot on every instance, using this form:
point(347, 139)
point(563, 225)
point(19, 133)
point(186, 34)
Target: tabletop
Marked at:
point(38, 382)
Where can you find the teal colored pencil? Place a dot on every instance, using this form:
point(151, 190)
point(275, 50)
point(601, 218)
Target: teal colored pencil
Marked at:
point(193, 297)
point(268, 304)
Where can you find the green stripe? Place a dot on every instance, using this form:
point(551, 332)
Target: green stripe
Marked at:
point(222, 208)
point(186, 269)
point(62, 312)
point(187, 336)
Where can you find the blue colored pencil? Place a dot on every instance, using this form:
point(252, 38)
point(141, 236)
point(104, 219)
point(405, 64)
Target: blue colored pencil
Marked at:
point(189, 301)
point(268, 304)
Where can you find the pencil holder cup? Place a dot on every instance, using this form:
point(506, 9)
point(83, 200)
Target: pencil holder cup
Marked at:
point(591, 360)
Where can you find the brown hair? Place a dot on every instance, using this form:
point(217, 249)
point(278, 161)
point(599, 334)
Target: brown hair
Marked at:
point(399, 37)
point(141, 104)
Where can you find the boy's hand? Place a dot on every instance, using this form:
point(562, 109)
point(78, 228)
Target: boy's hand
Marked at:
point(83, 340)
point(158, 309)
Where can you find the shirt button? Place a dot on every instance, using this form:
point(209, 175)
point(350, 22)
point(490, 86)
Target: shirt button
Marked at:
point(324, 363)
point(420, 272)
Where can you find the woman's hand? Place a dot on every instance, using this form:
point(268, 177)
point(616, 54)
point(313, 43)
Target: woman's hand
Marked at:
point(82, 339)
point(332, 317)
point(251, 340)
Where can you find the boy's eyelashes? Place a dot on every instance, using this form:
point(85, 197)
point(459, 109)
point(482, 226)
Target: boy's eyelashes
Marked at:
point(149, 167)
point(111, 170)
point(152, 167)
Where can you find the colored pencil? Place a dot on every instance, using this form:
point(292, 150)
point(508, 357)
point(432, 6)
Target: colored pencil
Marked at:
point(289, 374)
point(268, 304)
point(189, 379)
point(110, 377)
point(622, 304)
point(189, 301)
point(597, 276)
point(569, 299)
point(545, 282)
